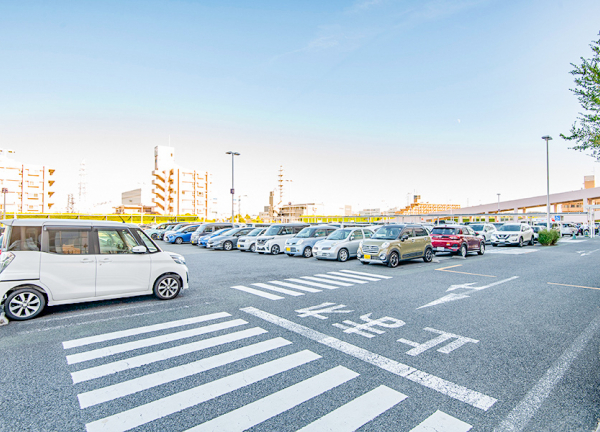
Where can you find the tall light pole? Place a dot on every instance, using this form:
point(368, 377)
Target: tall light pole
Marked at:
point(498, 207)
point(547, 138)
point(4, 188)
point(233, 154)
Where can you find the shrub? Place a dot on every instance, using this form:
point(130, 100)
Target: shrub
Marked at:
point(548, 238)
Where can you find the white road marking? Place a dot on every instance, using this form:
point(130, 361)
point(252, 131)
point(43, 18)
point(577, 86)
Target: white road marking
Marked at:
point(141, 330)
point(471, 289)
point(367, 274)
point(146, 413)
point(589, 253)
point(364, 278)
point(263, 409)
point(144, 359)
point(463, 394)
point(279, 290)
point(290, 285)
point(323, 308)
point(343, 279)
point(442, 422)
point(319, 285)
point(257, 292)
point(358, 412)
point(124, 388)
point(518, 418)
point(327, 281)
point(510, 251)
point(143, 343)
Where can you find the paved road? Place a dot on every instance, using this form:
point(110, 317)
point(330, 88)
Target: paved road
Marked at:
point(507, 341)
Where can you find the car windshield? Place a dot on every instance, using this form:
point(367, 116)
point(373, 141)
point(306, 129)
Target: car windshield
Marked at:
point(255, 232)
point(444, 231)
point(477, 227)
point(510, 228)
point(273, 230)
point(387, 233)
point(340, 234)
point(221, 232)
point(306, 233)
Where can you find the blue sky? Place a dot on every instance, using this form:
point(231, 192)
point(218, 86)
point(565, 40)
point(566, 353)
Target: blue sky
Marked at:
point(362, 102)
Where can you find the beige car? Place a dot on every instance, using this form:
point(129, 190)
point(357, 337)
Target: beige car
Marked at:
point(394, 243)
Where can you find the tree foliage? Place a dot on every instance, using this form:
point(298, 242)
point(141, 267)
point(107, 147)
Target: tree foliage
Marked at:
point(586, 129)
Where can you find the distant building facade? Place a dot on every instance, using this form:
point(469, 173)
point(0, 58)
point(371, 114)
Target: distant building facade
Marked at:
point(177, 190)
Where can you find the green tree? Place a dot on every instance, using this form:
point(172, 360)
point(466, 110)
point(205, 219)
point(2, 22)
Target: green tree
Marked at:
point(586, 129)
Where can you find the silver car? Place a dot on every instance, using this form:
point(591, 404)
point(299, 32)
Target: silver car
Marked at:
point(484, 230)
point(342, 244)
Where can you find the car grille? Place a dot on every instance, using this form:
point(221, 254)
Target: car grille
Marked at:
point(370, 249)
point(502, 236)
point(261, 242)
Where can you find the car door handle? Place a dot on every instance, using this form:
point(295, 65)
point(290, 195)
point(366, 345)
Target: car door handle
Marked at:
point(105, 259)
point(87, 260)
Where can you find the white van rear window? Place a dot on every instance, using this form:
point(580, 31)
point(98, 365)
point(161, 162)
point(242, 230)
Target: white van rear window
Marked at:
point(22, 238)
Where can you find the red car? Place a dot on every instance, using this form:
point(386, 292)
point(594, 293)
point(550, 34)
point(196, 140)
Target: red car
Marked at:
point(457, 239)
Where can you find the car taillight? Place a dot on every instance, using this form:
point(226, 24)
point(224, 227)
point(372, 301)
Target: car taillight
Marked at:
point(454, 238)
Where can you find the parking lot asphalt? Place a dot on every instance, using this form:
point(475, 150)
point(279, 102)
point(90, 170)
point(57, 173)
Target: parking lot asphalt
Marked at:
point(507, 341)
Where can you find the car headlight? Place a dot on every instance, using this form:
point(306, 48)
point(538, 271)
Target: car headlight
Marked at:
point(386, 244)
point(300, 242)
point(178, 259)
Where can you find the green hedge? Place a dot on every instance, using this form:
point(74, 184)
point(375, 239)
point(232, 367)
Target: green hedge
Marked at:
point(548, 238)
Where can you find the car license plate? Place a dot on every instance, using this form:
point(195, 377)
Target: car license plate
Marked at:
point(367, 256)
point(440, 248)
point(287, 249)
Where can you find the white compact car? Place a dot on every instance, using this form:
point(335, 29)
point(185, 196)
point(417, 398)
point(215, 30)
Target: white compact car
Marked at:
point(484, 230)
point(568, 229)
point(248, 242)
point(53, 262)
point(513, 234)
point(273, 240)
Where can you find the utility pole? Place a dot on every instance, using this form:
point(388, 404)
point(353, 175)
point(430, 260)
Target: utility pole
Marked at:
point(4, 188)
point(233, 154)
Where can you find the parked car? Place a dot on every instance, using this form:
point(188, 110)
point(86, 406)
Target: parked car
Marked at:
point(157, 232)
point(184, 235)
point(228, 240)
point(208, 229)
point(513, 233)
point(484, 230)
point(568, 229)
point(342, 244)
point(173, 230)
point(536, 231)
point(497, 224)
point(47, 262)
point(457, 239)
point(248, 242)
point(303, 242)
point(203, 241)
point(394, 243)
point(273, 240)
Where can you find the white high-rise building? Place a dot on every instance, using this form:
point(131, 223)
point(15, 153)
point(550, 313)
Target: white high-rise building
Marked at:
point(30, 188)
point(176, 190)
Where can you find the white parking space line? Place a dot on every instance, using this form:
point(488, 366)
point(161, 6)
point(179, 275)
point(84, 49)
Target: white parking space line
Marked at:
point(141, 330)
point(279, 290)
point(343, 279)
point(144, 359)
point(145, 382)
point(358, 412)
point(442, 422)
point(367, 274)
point(290, 285)
point(143, 343)
point(146, 413)
point(326, 281)
point(370, 279)
point(510, 251)
point(458, 392)
point(263, 409)
point(257, 292)
point(319, 285)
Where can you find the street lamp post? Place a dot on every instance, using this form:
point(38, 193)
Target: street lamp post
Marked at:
point(498, 207)
point(233, 154)
point(4, 188)
point(547, 138)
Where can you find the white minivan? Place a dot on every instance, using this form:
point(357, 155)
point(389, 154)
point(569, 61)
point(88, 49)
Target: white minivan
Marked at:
point(53, 262)
point(273, 240)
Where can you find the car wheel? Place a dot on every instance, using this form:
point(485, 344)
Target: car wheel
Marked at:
point(24, 304)
point(532, 241)
point(463, 251)
point(481, 250)
point(343, 255)
point(228, 246)
point(275, 250)
point(167, 287)
point(394, 260)
point(520, 241)
point(252, 247)
point(154, 236)
point(178, 240)
point(428, 257)
point(307, 252)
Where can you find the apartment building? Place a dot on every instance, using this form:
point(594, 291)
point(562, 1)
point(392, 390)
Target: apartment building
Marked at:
point(177, 190)
point(29, 188)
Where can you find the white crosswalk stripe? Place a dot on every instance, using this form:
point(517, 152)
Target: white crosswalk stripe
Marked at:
point(309, 284)
point(106, 384)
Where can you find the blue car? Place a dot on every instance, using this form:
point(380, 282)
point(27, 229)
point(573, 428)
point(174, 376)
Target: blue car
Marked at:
point(303, 242)
point(184, 235)
point(204, 240)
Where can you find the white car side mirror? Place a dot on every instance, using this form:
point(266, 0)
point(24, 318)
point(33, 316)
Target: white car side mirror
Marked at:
point(139, 249)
